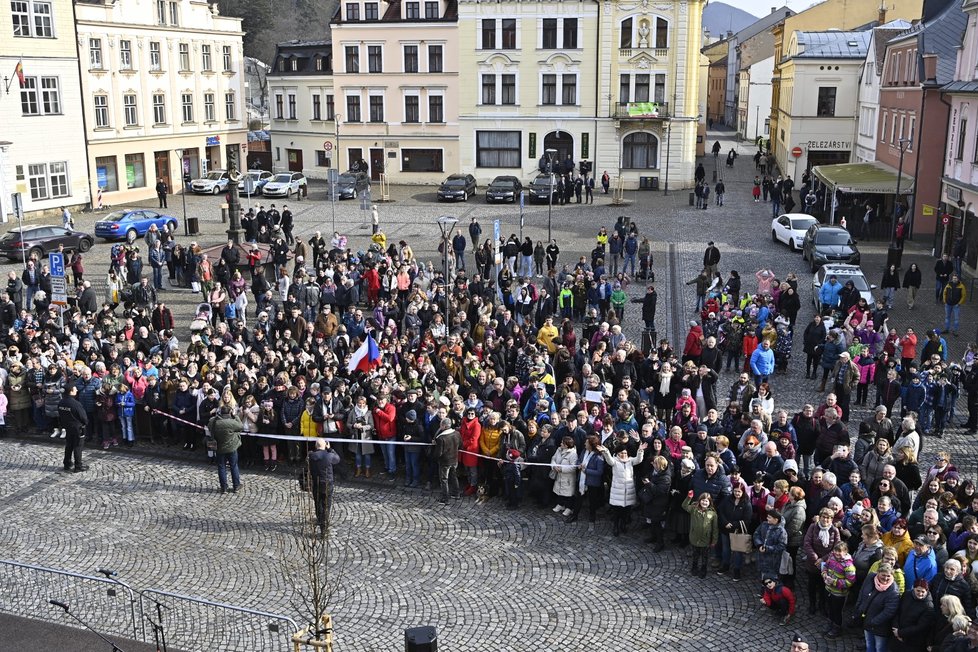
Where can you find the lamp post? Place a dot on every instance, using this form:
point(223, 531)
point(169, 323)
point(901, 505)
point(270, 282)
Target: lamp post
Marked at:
point(903, 144)
point(183, 193)
point(665, 185)
point(550, 209)
point(446, 223)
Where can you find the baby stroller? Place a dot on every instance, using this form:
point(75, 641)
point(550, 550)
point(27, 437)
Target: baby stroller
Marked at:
point(202, 318)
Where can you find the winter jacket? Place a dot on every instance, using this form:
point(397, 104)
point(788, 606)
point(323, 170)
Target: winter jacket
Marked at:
point(775, 540)
point(916, 568)
point(126, 404)
point(762, 362)
point(957, 587)
point(470, 430)
point(385, 422)
point(838, 575)
point(794, 522)
point(622, 478)
point(878, 608)
point(815, 550)
point(660, 483)
point(780, 593)
point(447, 444)
point(227, 431)
point(565, 459)
point(704, 527)
point(915, 620)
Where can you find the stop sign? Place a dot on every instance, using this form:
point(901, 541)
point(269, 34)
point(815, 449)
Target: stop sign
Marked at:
point(796, 152)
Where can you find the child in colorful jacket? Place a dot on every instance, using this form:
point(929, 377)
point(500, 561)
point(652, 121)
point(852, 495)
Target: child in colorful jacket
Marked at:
point(839, 576)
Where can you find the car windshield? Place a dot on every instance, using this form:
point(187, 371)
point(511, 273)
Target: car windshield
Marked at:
point(454, 182)
point(504, 184)
point(858, 280)
point(10, 235)
point(801, 224)
point(215, 176)
point(346, 178)
point(543, 182)
point(115, 216)
point(835, 238)
point(282, 178)
point(255, 174)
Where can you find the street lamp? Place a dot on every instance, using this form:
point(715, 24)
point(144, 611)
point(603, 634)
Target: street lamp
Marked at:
point(665, 185)
point(183, 192)
point(446, 223)
point(550, 210)
point(904, 145)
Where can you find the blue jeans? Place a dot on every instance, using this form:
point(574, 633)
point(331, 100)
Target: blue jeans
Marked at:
point(729, 558)
point(874, 642)
point(629, 260)
point(412, 463)
point(951, 315)
point(222, 472)
point(389, 451)
point(700, 302)
point(158, 278)
point(526, 268)
point(362, 460)
point(460, 260)
point(888, 295)
point(758, 379)
point(128, 432)
point(775, 208)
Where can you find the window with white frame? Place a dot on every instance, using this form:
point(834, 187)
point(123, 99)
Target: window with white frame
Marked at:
point(161, 12)
point(130, 110)
point(435, 58)
point(352, 11)
point(431, 11)
point(187, 107)
point(567, 94)
point(568, 90)
point(135, 171)
point(48, 180)
point(317, 106)
point(499, 89)
point(498, 149)
point(507, 84)
point(412, 10)
point(376, 108)
point(32, 19)
point(436, 109)
point(290, 111)
point(108, 173)
point(352, 56)
point(95, 53)
point(962, 138)
point(279, 106)
point(548, 90)
point(330, 107)
point(230, 110)
point(29, 100)
point(184, 57)
point(558, 34)
point(155, 60)
point(353, 108)
point(375, 58)
point(640, 151)
point(174, 13)
point(101, 103)
point(159, 109)
point(410, 58)
point(50, 96)
point(913, 128)
point(210, 113)
point(226, 57)
point(412, 108)
point(652, 32)
point(371, 11)
point(125, 54)
point(205, 58)
point(489, 89)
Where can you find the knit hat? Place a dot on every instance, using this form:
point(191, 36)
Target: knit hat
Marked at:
point(921, 583)
point(512, 454)
point(411, 416)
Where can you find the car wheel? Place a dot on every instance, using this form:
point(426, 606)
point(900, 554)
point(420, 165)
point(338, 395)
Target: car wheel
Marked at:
point(465, 196)
point(813, 266)
point(131, 235)
point(84, 245)
point(774, 236)
point(35, 252)
point(355, 193)
point(216, 191)
point(791, 245)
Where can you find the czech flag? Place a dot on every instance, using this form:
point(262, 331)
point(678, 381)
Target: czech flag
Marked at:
point(19, 71)
point(366, 357)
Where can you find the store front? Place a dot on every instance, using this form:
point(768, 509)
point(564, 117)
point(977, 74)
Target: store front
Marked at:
point(957, 210)
point(856, 184)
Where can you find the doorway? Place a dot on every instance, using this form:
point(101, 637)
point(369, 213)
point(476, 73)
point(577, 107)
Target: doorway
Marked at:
point(376, 163)
point(355, 158)
point(295, 159)
point(561, 141)
point(162, 160)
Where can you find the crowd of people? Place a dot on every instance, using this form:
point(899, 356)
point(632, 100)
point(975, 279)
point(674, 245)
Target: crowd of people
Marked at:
point(529, 384)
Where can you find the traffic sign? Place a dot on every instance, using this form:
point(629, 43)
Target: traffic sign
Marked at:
point(796, 151)
point(365, 199)
point(56, 263)
point(327, 145)
point(249, 184)
point(59, 290)
point(946, 219)
point(495, 242)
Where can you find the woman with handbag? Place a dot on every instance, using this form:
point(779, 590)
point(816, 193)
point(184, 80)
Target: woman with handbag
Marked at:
point(819, 540)
point(735, 541)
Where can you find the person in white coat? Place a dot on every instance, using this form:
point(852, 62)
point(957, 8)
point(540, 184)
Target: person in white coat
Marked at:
point(622, 483)
point(563, 471)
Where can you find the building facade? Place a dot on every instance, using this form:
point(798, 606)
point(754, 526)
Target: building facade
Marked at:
point(396, 84)
point(869, 89)
point(754, 98)
point(42, 141)
point(302, 108)
point(716, 90)
point(819, 87)
point(162, 84)
point(746, 46)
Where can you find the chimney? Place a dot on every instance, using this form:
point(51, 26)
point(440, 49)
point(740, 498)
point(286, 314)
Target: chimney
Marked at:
point(881, 16)
point(729, 33)
point(930, 68)
point(773, 9)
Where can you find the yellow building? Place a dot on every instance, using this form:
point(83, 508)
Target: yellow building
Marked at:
point(827, 15)
point(163, 93)
point(42, 138)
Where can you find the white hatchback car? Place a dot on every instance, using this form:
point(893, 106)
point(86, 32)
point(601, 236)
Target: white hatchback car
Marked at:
point(790, 229)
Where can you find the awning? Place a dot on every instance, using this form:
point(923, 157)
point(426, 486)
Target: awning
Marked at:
point(873, 178)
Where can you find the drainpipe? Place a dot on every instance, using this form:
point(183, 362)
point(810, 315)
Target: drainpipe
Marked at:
point(597, 95)
point(947, 128)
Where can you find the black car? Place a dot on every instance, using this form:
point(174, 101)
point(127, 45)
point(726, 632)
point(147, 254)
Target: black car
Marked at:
point(350, 184)
point(505, 189)
point(37, 241)
point(542, 189)
point(457, 187)
point(825, 244)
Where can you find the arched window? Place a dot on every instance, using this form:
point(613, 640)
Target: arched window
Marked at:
point(640, 151)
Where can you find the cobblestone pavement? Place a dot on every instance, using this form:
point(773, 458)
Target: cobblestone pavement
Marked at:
point(489, 579)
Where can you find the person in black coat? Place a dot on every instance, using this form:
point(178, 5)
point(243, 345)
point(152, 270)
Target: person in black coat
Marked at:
point(914, 619)
point(649, 302)
point(731, 513)
point(879, 606)
point(73, 419)
point(321, 462)
point(911, 283)
point(813, 340)
point(654, 491)
point(541, 450)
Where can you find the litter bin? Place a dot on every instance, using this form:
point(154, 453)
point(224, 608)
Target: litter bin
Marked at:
point(893, 256)
point(421, 639)
point(193, 225)
point(692, 199)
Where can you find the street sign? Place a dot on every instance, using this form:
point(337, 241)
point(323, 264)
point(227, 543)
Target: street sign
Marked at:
point(59, 290)
point(495, 242)
point(327, 146)
point(522, 202)
point(249, 184)
point(946, 219)
point(56, 263)
point(365, 199)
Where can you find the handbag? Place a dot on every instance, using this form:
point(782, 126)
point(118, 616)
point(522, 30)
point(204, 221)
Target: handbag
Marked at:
point(741, 541)
point(645, 494)
point(787, 564)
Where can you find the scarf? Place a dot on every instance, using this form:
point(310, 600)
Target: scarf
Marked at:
point(360, 413)
point(582, 477)
point(882, 585)
point(823, 534)
point(664, 381)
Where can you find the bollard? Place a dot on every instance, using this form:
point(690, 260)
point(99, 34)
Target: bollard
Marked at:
point(692, 199)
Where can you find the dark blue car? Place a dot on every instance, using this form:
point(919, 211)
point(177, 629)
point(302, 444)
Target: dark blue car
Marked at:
point(131, 223)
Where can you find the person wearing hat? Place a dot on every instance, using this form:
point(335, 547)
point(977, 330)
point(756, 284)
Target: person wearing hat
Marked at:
point(915, 618)
point(799, 644)
point(412, 433)
point(226, 429)
point(921, 562)
point(321, 461)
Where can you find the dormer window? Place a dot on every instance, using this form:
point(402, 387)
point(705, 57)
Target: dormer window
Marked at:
point(431, 11)
point(294, 65)
point(371, 11)
point(352, 11)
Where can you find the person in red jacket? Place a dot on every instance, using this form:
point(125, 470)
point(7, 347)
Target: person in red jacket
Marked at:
point(471, 430)
point(385, 425)
point(750, 344)
point(779, 598)
point(373, 285)
point(694, 343)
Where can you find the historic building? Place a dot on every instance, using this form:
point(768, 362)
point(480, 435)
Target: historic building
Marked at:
point(750, 44)
point(42, 140)
point(869, 89)
point(162, 91)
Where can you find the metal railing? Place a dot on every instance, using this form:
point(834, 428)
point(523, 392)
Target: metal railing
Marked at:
point(113, 608)
point(641, 110)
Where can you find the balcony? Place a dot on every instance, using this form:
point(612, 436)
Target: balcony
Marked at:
point(657, 53)
point(641, 110)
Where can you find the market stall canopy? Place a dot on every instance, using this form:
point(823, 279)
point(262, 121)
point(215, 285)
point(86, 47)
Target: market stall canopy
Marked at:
point(873, 178)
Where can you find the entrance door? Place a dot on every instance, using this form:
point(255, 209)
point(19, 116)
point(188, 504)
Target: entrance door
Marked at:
point(163, 168)
point(561, 141)
point(295, 159)
point(355, 157)
point(376, 163)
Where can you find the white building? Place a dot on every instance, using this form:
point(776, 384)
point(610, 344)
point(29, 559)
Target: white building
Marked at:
point(42, 155)
point(740, 57)
point(159, 77)
point(754, 99)
point(869, 89)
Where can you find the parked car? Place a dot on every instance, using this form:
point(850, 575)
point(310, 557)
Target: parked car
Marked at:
point(542, 189)
point(131, 223)
point(457, 187)
point(214, 183)
point(790, 229)
point(842, 273)
point(504, 188)
point(350, 184)
point(285, 184)
point(259, 177)
point(824, 244)
point(37, 241)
